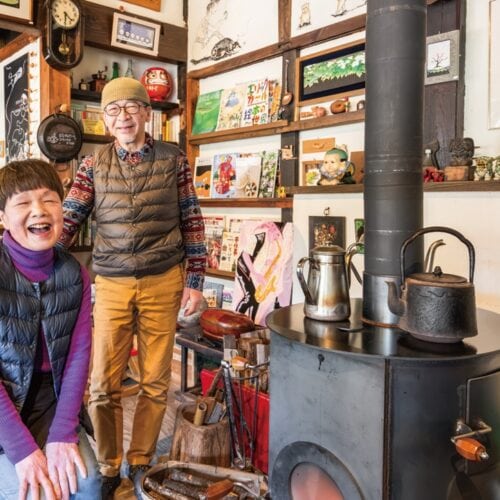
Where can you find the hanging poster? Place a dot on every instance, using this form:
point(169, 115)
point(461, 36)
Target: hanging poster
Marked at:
point(15, 77)
point(309, 15)
point(223, 29)
point(263, 279)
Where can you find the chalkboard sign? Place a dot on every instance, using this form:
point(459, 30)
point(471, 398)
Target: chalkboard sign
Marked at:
point(15, 79)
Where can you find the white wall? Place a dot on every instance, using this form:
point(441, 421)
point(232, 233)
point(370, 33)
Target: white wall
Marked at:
point(476, 79)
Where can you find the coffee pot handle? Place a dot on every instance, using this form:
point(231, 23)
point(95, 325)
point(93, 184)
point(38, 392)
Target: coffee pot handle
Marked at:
point(439, 229)
point(302, 281)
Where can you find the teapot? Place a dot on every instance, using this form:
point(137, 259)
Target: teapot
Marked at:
point(435, 306)
point(327, 290)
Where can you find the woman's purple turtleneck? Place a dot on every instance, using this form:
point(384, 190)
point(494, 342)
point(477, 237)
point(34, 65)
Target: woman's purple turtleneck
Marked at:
point(15, 439)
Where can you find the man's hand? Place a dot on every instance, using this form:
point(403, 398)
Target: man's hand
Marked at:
point(194, 297)
point(61, 461)
point(32, 472)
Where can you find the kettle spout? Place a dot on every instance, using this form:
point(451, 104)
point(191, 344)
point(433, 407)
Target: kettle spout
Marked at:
point(395, 303)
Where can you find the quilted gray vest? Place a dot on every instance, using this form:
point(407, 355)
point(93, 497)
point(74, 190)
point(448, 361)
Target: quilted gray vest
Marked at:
point(137, 213)
point(53, 304)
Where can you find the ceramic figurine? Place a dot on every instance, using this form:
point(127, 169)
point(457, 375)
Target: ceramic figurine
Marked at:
point(336, 169)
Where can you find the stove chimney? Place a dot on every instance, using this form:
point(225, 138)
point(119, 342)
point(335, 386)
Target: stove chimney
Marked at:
point(393, 192)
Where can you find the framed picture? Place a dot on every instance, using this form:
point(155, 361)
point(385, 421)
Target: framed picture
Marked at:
point(359, 232)
point(326, 231)
point(135, 34)
point(494, 83)
point(17, 9)
point(310, 172)
point(330, 72)
point(442, 57)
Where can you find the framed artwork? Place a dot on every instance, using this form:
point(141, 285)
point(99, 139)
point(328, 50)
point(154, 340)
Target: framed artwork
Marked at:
point(326, 231)
point(330, 72)
point(494, 83)
point(310, 173)
point(149, 4)
point(359, 232)
point(442, 57)
point(17, 9)
point(135, 34)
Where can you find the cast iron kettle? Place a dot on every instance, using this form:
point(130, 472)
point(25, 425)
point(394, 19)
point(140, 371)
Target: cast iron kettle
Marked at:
point(435, 307)
point(327, 289)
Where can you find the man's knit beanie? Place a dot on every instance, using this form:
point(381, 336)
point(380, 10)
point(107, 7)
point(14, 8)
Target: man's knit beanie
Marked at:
point(123, 88)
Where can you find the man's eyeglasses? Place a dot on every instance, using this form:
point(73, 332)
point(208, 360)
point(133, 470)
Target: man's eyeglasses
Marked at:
point(130, 108)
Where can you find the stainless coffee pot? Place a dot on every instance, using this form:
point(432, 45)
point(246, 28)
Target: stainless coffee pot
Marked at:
point(327, 289)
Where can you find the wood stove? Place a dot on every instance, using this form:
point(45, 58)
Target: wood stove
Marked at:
point(370, 412)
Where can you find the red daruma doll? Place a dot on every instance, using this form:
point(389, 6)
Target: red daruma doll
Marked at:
point(158, 83)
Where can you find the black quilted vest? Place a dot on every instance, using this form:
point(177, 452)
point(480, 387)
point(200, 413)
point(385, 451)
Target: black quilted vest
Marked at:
point(137, 213)
point(53, 305)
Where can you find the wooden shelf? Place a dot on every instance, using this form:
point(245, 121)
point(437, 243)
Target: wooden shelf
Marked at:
point(218, 273)
point(239, 133)
point(88, 95)
point(326, 121)
point(247, 202)
point(458, 186)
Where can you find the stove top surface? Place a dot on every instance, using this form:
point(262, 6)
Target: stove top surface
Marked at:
point(357, 338)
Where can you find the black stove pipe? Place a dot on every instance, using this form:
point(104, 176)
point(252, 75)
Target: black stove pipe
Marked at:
point(393, 191)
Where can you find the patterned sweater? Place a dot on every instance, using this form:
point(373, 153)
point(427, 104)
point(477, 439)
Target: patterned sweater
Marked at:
point(80, 201)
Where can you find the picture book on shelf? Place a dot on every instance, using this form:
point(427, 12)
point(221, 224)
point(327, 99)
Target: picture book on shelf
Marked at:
point(256, 110)
point(229, 251)
point(268, 173)
point(206, 113)
point(224, 175)
point(231, 107)
point(247, 176)
point(203, 176)
point(213, 293)
point(214, 227)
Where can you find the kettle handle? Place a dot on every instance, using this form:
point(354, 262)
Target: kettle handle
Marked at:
point(302, 281)
point(439, 229)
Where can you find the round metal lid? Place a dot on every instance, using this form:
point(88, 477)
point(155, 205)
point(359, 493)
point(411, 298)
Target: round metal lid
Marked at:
point(438, 277)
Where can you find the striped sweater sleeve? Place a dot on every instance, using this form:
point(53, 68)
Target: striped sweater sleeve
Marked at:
point(79, 202)
point(191, 226)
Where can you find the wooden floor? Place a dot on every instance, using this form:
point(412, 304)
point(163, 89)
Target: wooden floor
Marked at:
point(126, 490)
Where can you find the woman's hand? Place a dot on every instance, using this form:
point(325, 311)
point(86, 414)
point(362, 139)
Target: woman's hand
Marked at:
point(61, 461)
point(32, 472)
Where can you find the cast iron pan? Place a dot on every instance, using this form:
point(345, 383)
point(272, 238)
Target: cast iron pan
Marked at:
point(59, 138)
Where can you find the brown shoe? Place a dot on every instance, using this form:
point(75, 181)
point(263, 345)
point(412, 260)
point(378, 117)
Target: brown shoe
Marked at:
point(109, 486)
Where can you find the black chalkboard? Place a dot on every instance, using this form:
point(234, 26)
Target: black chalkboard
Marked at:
point(16, 109)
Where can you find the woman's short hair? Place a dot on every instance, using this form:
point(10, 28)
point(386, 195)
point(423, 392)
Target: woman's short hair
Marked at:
point(26, 175)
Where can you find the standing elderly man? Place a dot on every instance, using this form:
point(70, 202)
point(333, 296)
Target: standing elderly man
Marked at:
point(149, 258)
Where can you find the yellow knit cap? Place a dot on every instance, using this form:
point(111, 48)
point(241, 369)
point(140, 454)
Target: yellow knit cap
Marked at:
point(123, 88)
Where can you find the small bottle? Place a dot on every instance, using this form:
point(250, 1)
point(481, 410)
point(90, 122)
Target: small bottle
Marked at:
point(116, 71)
point(428, 160)
point(129, 72)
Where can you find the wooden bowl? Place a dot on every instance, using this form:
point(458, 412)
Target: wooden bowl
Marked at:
point(217, 322)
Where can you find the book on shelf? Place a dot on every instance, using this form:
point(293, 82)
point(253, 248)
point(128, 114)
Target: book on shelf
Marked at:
point(227, 297)
point(269, 173)
point(256, 110)
point(274, 100)
point(224, 175)
point(214, 227)
point(247, 176)
point(206, 112)
point(213, 293)
point(232, 102)
point(203, 176)
point(229, 251)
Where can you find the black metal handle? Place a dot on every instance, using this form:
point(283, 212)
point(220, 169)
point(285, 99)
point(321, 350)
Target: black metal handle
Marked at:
point(439, 229)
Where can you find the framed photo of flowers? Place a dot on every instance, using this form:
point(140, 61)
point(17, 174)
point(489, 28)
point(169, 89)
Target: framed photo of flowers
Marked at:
point(331, 72)
point(326, 231)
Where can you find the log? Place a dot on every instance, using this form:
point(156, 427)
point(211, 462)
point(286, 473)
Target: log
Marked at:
point(205, 444)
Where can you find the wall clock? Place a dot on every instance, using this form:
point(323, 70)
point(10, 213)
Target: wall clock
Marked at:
point(63, 24)
point(59, 138)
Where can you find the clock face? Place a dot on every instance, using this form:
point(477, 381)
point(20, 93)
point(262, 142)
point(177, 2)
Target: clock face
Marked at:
point(65, 13)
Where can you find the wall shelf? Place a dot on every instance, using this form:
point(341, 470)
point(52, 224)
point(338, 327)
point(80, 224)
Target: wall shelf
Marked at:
point(88, 95)
point(456, 186)
point(247, 202)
